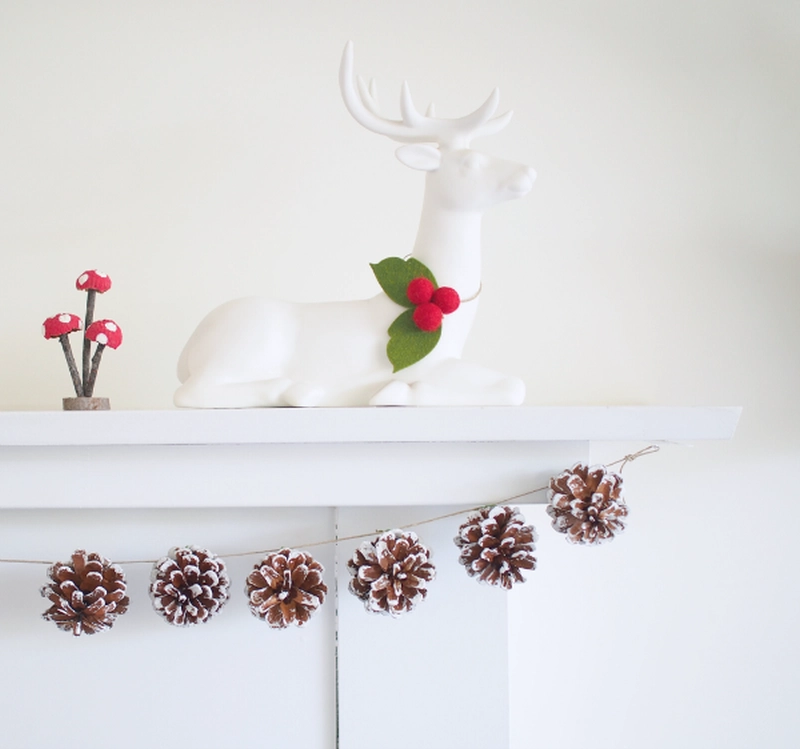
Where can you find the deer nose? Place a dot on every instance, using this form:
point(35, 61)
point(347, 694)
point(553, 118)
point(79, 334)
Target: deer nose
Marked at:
point(530, 176)
point(522, 182)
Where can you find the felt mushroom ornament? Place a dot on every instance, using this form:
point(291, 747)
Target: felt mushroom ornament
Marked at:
point(105, 333)
point(93, 282)
point(60, 326)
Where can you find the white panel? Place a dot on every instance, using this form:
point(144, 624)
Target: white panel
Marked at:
point(442, 670)
point(422, 679)
point(232, 682)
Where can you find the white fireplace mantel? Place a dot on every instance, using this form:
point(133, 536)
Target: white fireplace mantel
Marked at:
point(295, 457)
point(129, 484)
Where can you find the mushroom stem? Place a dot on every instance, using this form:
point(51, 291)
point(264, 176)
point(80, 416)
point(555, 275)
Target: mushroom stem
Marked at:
point(73, 367)
point(91, 294)
point(89, 389)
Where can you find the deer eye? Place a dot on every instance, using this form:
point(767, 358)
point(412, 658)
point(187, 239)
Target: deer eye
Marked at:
point(472, 160)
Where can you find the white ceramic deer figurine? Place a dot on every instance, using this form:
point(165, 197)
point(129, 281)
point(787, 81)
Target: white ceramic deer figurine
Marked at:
point(256, 352)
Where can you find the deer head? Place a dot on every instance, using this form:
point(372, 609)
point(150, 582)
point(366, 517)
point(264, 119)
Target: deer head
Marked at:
point(459, 178)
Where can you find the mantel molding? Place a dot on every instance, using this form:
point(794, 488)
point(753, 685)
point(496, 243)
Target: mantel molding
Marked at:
point(368, 425)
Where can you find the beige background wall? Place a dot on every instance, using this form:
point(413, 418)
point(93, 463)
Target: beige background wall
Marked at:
point(200, 151)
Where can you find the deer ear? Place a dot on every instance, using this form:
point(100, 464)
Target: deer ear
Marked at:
point(420, 156)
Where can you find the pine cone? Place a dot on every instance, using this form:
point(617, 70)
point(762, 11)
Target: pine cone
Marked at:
point(496, 545)
point(189, 585)
point(587, 504)
point(286, 588)
point(87, 595)
point(391, 573)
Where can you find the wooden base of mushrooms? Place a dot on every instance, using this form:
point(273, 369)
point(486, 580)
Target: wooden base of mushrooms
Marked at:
point(86, 404)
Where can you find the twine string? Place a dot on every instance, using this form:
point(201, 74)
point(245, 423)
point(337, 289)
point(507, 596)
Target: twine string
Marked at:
point(622, 462)
point(649, 450)
point(475, 295)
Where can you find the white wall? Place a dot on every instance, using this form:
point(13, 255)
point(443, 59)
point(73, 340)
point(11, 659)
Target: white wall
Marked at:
point(199, 151)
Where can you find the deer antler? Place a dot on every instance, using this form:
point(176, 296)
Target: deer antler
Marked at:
point(414, 127)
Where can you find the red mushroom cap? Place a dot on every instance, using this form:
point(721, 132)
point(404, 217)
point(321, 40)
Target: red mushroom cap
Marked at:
point(58, 325)
point(93, 280)
point(106, 332)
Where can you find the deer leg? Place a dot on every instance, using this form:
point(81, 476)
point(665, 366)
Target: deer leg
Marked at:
point(508, 391)
point(198, 393)
point(303, 395)
point(456, 382)
point(394, 393)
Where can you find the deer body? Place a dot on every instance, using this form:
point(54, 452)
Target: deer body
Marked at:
point(257, 352)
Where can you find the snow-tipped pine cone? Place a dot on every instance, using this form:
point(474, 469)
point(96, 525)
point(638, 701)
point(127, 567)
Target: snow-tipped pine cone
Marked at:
point(496, 545)
point(189, 586)
point(286, 588)
point(87, 594)
point(587, 504)
point(391, 574)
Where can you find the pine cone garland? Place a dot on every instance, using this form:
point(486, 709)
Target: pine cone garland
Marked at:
point(189, 586)
point(496, 545)
point(87, 595)
point(391, 573)
point(587, 504)
point(286, 588)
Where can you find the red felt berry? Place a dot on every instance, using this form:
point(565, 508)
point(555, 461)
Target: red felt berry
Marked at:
point(419, 291)
point(427, 317)
point(446, 299)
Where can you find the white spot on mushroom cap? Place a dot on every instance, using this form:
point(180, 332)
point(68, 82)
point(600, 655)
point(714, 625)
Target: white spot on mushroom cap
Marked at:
point(83, 279)
point(64, 317)
point(110, 326)
point(102, 338)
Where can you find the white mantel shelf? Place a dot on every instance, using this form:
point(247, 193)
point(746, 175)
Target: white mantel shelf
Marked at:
point(130, 484)
point(368, 425)
point(362, 457)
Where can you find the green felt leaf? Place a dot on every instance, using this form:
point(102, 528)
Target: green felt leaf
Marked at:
point(407, 343)
point(394, 274)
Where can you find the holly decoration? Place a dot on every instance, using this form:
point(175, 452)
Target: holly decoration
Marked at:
point(415, 332)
